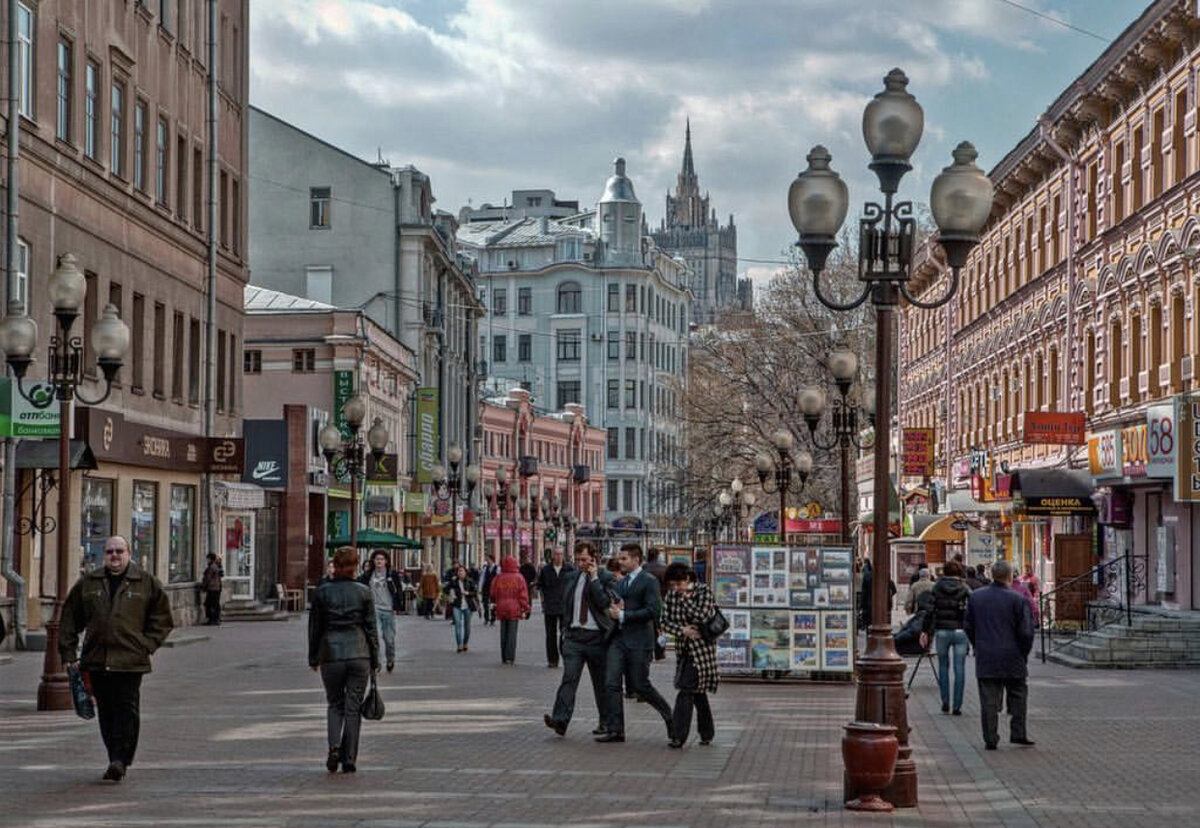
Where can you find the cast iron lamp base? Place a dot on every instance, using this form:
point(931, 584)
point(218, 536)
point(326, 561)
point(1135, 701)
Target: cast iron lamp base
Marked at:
point(54, 691)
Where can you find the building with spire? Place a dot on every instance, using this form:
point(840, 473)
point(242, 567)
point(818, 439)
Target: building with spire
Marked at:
point(691, 230)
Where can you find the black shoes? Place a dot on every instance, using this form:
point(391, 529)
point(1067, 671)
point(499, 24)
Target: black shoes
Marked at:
point(945, 708)
point(331, 761)
point(558, 727)
point(989, 747)
point(553, 666)
point(1024, 742)
point(958, 712)
point(115, 771)
point(706, 742)
point(611, 737)
point(391, 665)
point(675, 743)
point(599, 731)
point(349, 767)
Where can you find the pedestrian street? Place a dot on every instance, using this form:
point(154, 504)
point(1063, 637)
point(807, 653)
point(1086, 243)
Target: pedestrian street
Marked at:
point(233, 735)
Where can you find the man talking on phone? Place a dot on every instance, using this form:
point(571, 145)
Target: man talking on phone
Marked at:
point(586, 627)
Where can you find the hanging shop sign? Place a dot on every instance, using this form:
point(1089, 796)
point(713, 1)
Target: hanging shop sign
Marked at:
point(427, 434)
point(1104, 454)
point(1133, 450)
point(1187, 421)
point(385, 469)
point(21, 418)
point(1161, 443)
point(918, 452)
point(343, 390)
point(116, 440)
point(266, 453)
point(1055, 428)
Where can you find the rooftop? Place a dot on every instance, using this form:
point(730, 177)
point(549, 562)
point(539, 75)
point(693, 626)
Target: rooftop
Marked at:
point(264, 300)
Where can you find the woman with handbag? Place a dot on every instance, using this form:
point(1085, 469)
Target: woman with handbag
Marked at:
point(344, 646)
point(691, 615)
point(460, 595)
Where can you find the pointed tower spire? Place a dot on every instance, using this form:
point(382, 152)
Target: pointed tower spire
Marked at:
point(689, 169)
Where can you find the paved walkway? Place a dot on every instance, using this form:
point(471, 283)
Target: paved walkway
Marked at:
point(233, 735)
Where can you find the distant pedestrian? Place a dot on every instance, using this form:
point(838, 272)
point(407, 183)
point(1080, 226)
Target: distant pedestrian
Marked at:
point(510, 593)
point(950, 596)
point(1022, 590)
point(550, 584)
point(973, 580)
point(656, 567)
point(123, 615)
point(486, 576)
point(688, 607)
point(586, 630)
point(701, 568)
point(388, 594)
point(865, 608)
point(329, 570)
point(429, 589)
point(924, 583)
point(529, 573)
point(461, 597)
point(1000, 626)
point(343, 645)
point(210, 585)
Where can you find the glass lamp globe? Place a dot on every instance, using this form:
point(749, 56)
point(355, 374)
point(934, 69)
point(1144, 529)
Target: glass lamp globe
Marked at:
point(804, 462)
point(355, 411)
point(18, 337)
point(736, 485)
point(110, 336)
point(717, 509)
point(454, 453)
point(489, 491)
point(473, 474)
point(782, 439)
point(502, 475)
point(66, 287)
point(377, 436)
point(725, 498)
point(330, 438)
point(438, 475)
point(843, 364)
point(892, 125)
point(751, 498)
point(763, 464)
point(818, 198)
point(961, 201)
point(812, 401)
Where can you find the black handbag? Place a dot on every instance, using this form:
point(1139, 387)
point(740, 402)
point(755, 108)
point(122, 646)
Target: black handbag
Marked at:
point(372, 705)
point(81, 697)
point(716, 626)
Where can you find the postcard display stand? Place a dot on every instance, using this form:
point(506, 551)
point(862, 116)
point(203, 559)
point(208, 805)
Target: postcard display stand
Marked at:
point(790, 609)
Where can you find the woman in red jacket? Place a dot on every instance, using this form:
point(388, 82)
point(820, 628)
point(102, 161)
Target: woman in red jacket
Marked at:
point(510, 596)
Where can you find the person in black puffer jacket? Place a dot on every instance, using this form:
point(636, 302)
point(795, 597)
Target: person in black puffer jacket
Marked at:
point(950, 596)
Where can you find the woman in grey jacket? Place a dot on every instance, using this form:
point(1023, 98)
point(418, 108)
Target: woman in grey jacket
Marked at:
point(343, 644)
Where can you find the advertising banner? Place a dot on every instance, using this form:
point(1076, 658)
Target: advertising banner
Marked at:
point(266, 453)
point(20, 418)
point(427, 434)
point(1104, 454)
point(385, 469)
point(918, 452)
point(1187, 421)
point(1161, 445)
point(343, 389)
point(1055, 428)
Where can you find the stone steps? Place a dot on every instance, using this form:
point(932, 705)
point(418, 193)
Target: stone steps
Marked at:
point(253, 611)
point(1155, 640)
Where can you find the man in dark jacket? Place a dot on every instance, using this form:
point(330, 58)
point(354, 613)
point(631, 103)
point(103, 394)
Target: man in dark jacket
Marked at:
point(655, 566)
point(586, 628)
point(865, 609)
point(550, 583)
point(123, 615)
point(529, 573)
point(999, 625)
point(210, 585)
point(487, 574)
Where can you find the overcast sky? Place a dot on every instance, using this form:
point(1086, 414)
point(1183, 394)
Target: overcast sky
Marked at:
point(487, 96)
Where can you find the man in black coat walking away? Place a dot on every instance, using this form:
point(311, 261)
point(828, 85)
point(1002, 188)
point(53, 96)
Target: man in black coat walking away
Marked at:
point(487, 574)
point(999, 625)
point(550, 582)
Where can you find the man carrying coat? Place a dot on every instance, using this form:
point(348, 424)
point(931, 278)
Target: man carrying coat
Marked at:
point(123, 615)
point(999, 625)
point(586, 627)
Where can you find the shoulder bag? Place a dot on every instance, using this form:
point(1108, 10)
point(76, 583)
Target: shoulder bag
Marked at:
point(715, 627)
point(372, 705)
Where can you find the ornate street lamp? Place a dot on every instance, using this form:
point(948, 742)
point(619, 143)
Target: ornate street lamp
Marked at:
point(961, 201)
point(66, 288)
point(345, 456)
point(843, 364)
point(781, 470)
point(503, 498)
point(449, 486)
point(734, 504)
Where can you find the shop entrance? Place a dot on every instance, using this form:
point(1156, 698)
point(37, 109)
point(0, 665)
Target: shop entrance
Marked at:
point(1072, 559)
point(239, 555)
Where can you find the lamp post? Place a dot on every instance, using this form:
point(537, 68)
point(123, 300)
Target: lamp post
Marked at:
point(961, 200)
point(781, 470)
point(345, 456)
point(843, 364)
point(735, 502)
point(502, 496)
point(448, 486)
point(110, 340)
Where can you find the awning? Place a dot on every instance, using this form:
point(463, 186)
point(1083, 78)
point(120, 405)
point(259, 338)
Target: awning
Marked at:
point(942, 529)
point(230, 495)
point(1053, 491)
point(376, 538)
point(43, 454)
point(961, 501)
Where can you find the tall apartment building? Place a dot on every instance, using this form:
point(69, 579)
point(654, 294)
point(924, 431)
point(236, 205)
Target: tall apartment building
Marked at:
point(1083, 298)
point(114, 169)
point(587, 310)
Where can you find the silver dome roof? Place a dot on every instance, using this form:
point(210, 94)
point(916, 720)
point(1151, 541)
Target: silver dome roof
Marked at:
point(618, 187)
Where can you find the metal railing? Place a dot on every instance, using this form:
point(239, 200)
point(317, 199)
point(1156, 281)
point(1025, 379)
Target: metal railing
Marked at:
point(1095, 599)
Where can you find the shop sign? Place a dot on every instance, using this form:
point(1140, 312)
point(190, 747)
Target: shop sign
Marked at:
point(114, 439)
point(1161, 445)
point(384, 469)
point(225, 455)
point(1055, 428)
point(266, 453)
point(961, 471)
point(1187, 423)
point(981, 547)
point(1133, 450)
point(21, 418)
point(343, 390)
point(918, 452)
point(427, 434)
point(1104, 454)
point(628, 524)
point(1058, 505)
point(415, 502)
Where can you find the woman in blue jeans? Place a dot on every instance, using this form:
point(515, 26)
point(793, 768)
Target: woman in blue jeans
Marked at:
point(950, 595)
point(461, 595)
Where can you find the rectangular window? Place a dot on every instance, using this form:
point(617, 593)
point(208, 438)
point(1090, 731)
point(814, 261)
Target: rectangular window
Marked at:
point(614, 394)
point(97, 504)
point(233, 373)
point(144, 524)
point(139, 146)
point(630, 393)
point(25, 33)
point(181, 178)
point(568, 392)
point(614, 443)
point(160, 162)
point(630, 346)
point(630, 506)
point(138, 344)
point(304, 360)
point(568, 345)
point(235, 212)
point(194, 361)
point(630, 443)
point(63, 128)
point(614, 297)
point(318, 206)
point(197, 188)
point(614, 345)
point(499, 302)
point(91, 110)
point(525, 348)
point(223, 201)
point(524, 301)
point(164, 14)
point(118, 129)
point(631, 298)
point(182, 519)
point(220, 370)
point(22, 270)
point(500, 348)
point(612, 505)
point(177, 346)
point(160, 348)
point(252, 362)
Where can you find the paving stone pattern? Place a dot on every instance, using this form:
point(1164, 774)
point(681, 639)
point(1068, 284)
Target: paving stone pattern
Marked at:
point(233, 735)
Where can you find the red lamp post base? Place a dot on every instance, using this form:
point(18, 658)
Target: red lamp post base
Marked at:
point(54, 691)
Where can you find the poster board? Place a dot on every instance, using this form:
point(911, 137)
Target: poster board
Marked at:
point(790, 608)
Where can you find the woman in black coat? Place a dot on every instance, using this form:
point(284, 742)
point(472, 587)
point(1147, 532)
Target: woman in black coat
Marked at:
point(461, 599)
point(950, 595)
point(343, 645)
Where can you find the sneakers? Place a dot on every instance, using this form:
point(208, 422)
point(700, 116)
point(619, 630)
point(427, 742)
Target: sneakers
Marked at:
point(115, 771)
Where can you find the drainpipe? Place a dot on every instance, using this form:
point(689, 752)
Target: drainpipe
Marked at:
point(210, 310)
point(7, 545)
point(1069, 344)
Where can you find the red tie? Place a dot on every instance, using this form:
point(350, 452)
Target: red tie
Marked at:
point(583, 608)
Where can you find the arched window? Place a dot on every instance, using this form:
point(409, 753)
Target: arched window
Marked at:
point(570, 298)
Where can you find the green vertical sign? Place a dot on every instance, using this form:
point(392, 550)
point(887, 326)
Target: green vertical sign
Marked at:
point(343, 389)
point(20, 418)
point(427, 433)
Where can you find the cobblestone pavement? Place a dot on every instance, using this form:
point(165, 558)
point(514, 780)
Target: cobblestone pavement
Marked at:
point(233, 735)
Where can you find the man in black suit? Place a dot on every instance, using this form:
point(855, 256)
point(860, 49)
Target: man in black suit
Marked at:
point(635, 608)
point(586, 629)
point(550, 582)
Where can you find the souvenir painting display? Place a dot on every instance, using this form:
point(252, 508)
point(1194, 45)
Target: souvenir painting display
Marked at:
point(770, 640)
point(806, 651)
point(837, 639)
point(733, 648)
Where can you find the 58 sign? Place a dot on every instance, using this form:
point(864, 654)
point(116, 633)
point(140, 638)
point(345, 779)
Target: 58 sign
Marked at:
point(1162, 441)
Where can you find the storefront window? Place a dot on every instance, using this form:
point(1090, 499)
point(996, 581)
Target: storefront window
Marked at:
point(144, 513)
point(96, 520)
point(181, 566)
point(239, 554)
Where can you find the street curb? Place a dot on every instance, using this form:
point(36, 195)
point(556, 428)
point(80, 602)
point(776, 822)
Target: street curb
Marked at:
point(184, 640)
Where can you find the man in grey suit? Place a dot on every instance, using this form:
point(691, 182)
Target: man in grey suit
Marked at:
point(635, 609)
point(586, 630)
